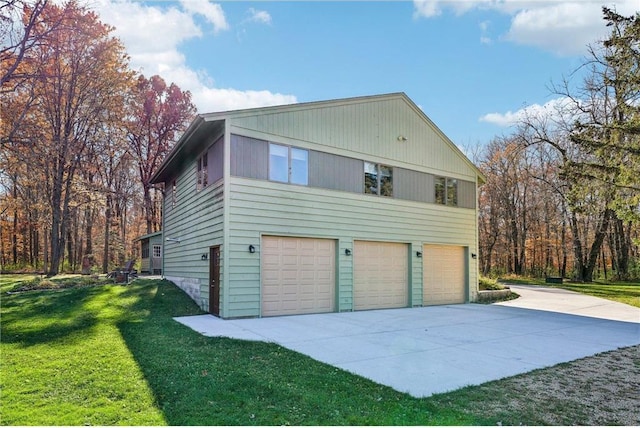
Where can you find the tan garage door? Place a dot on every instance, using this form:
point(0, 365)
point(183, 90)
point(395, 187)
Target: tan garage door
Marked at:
point(380, 275)
point(298, 275)
point(444, 275)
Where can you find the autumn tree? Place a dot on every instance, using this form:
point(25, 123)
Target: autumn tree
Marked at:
point(519, 214)
point(19, 20)
point(158, 114)
point(77, 75)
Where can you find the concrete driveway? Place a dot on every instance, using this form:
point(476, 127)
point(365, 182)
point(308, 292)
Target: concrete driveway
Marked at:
point(423, 351)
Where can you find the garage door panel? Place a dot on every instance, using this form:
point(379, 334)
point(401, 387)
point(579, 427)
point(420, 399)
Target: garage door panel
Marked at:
point(444, 274)
point(380, 275)
point(298, 275)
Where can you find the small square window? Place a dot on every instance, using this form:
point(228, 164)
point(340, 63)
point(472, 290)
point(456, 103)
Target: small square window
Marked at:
point(157, 251)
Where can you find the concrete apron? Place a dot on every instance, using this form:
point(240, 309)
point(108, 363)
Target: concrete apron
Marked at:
point(424, 351)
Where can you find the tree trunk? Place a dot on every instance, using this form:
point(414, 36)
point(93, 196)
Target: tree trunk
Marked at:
point(88, 223)
point(57, 232)
point(620, 244)
point(3, 261)
point(107, 225)
point(56, 240)
point(598, 240)
point(45, 252)
point(148, 206)
point(577, 248)
point(70, 255)
point(14, 236)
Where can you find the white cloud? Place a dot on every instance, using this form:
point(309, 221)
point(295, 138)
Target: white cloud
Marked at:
point(555, 108)
point(261, 16)
point(484, 29)
point(562, 27)
point(429, 8)
point(219, 99)
point(212, 12)
point(426, 8)
point(153, 34)
point(145, 29)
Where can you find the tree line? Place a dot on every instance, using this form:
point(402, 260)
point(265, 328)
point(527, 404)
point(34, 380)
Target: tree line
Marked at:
point(81, 136)
point(563, 190)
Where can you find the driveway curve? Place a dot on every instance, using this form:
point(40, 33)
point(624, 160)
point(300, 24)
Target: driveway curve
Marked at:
point(429, 350)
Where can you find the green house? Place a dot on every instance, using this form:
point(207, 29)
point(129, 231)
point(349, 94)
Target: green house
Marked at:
point(331, 206)
point(151, 253)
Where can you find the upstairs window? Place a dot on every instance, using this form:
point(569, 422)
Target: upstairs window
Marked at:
point(441, 184)
point(378, 179)
point(452, 192)
point(174, 196)
point(446, 190)
point(203, 174)
point(288, 164)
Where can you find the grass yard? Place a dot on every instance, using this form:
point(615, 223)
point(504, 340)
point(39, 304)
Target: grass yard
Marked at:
point(112, 355)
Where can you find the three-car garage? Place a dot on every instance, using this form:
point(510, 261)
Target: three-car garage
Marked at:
point(299, 275)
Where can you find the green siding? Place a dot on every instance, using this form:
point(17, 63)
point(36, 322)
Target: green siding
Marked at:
point(236, 211)
point(259, 208)
point(368, 129)
point(196, 221)
point(415, 274)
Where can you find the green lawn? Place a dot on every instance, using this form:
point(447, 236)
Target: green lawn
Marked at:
point(623, 292)
point(113, 355)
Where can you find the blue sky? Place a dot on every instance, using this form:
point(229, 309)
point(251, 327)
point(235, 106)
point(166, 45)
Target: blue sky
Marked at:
point(472, 66)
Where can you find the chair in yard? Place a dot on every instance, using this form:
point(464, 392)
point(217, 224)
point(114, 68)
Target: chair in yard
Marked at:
point(124, 274)
point(128, 268)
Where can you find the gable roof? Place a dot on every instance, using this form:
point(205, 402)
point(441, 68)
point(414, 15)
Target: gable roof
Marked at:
point(205, 125)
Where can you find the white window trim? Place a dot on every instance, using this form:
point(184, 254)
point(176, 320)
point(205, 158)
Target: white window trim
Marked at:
point(156, 247)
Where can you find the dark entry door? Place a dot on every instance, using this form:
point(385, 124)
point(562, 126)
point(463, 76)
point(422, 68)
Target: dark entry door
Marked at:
point(214, 280)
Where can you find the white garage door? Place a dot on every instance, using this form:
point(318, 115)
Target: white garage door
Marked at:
point(380, 275)
point(444, 275)
point(298, 275)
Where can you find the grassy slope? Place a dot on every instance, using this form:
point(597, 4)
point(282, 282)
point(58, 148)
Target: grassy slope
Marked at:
point(64, 362)
point(113, 355)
